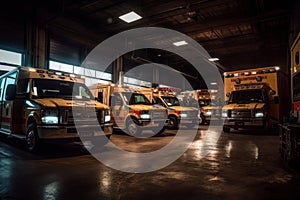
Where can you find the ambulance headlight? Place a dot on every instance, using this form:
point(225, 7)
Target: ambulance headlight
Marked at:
point(224, 113)
point(259, 114)
point(107, 116)
point(144, 114)
point(49, 116)
point(208, 113)
point(50, 120)
point(183, 115)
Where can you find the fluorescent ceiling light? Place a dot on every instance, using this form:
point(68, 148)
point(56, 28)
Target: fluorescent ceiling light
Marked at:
point(180, 43)
point(213, 59)
point(214, 83)
point(130, 17)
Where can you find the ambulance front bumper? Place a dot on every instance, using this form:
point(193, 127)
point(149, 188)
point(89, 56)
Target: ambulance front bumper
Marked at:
point(65, 132)
point(243, 123)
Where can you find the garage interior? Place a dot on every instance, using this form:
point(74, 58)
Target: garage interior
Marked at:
point(242, 34)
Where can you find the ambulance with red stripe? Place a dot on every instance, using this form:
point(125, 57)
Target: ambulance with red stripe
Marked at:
point(131, 110)
point(178, 114)
point(252, 98)
point(37, 104)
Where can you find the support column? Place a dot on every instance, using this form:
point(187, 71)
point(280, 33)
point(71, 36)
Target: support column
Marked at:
point(36, 45)
point(155, 77)
point(117, 73)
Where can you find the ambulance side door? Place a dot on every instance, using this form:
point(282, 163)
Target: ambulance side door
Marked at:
point(6, 105)
point(2, 83)
point(117, 109)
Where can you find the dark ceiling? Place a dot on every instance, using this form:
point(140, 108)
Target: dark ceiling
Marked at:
point(241, 33)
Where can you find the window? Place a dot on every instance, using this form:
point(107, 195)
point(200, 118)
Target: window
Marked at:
point(9, 60)
point(44, 88)
point(136, 82)
point(91, 76)
point(10, 57)
point(23, 86)
point(2, 81)
point(9, 80)
point(60, 67)
point(159, 101)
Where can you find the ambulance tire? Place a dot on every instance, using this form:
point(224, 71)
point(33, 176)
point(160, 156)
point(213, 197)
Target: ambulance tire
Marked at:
point(267, 126)
point(133, 127)
point(159, 131)
point(226, 129)
point(202, 119)
point(173, 122)
point(32, 138)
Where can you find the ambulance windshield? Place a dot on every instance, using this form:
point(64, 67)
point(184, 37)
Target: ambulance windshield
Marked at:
point(171, 101)
point(247, 96)
point(45, 88)
point(132, 98)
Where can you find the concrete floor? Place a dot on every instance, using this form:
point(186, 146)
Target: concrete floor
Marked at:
point(242, 165)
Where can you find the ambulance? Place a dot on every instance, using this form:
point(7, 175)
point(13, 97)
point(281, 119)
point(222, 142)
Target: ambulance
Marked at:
point(205, 99)
point(211, 104)
point(252, 98)
point(37, 104)
point(295, 77)
point(178, 114)
point(132, 111)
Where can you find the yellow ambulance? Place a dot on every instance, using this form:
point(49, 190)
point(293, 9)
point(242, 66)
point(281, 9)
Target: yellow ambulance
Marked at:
point(131, 110)
point(37, 104)
point(178, 114)
point(252, 98)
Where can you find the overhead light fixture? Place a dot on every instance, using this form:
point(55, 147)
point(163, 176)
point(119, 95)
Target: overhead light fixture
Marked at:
point(130, 17)
point(213, 59)
point(214, 83)
point(180, 43)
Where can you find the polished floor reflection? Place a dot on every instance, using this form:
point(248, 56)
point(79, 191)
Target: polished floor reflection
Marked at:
point(244, 165)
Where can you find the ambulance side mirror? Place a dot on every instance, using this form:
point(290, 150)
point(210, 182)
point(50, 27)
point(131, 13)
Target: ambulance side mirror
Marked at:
point(100, 97)
point(10, 92)
point(272, 92)
point(112, 101)
point(276, 99)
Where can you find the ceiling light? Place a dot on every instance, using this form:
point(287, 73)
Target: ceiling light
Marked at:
point(180, 43)
point(214, 83)
point(130, 17)
point(213, 59)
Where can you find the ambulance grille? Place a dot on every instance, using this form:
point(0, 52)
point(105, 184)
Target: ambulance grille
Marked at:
point(158, 114)
point(241, 114)
point(192, 114)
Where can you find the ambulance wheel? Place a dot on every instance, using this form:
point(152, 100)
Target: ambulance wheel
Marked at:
point(173, 122)
point(158, 131)
point(226, 129)
point(202, 119)
point(133, 128)
point(32, 139)
point(267, 125)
